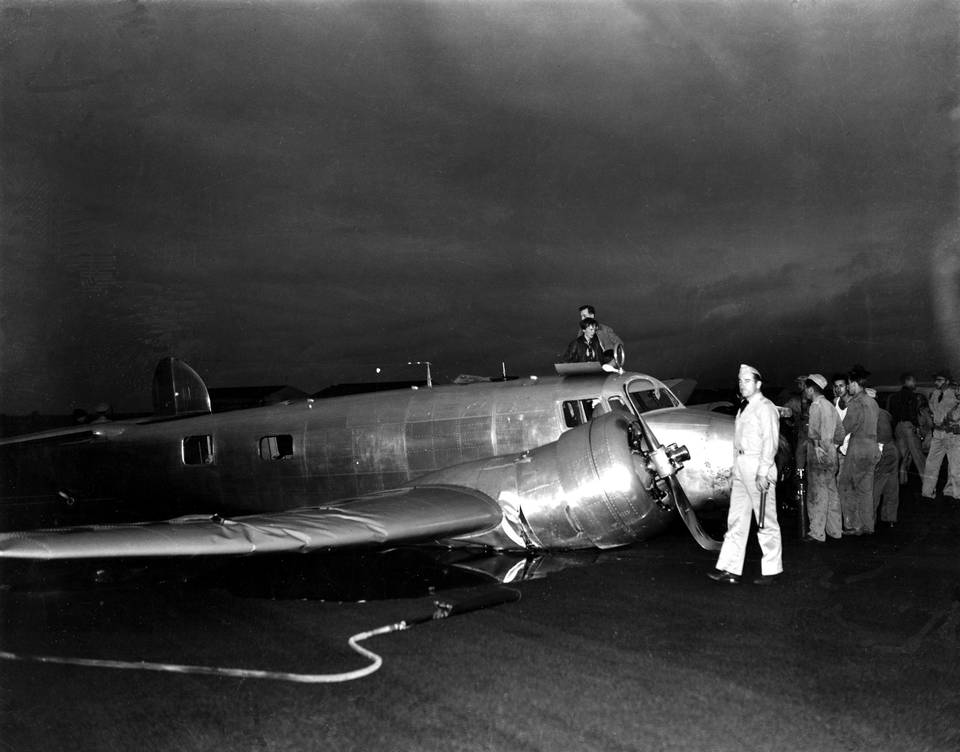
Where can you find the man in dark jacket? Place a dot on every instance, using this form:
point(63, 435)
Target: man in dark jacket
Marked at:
point(586, 348)
point(904, 407)
point(886, 486)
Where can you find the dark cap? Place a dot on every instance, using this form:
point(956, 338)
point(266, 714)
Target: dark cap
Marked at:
point(858, 373)
point(943, 373)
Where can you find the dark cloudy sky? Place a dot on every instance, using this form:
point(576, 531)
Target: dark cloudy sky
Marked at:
point(298, 192)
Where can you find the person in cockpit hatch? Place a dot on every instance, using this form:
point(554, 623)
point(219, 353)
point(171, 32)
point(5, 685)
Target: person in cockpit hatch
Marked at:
point(586, 348)
point(609, 340)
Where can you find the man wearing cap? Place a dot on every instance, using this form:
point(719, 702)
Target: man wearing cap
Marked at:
point(756, 437)
point(824, 432)
point(943, 443)
point(905, 406)
point(855, 481)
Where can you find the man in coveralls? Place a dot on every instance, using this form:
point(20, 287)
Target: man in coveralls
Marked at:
point(824, 432)
point(756, 437)
point(855, 481)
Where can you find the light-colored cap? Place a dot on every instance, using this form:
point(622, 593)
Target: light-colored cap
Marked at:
point(746, 370)
point(871, 392)
point(819, 379)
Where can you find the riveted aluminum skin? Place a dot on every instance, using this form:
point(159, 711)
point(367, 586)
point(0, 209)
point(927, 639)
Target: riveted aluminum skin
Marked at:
point(707, 475)
point(587, 489)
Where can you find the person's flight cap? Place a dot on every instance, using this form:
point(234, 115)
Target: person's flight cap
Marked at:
point(818, 379)
point(746, 370)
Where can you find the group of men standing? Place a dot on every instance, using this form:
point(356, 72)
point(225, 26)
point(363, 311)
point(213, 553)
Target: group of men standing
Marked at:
point(849, 457)
point(855, 455)
point(858, 454)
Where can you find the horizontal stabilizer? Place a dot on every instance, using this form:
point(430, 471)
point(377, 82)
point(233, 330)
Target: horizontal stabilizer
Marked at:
point(406, 515)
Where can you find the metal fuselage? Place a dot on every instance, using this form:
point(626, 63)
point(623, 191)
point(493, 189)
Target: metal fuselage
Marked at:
point(308, 452)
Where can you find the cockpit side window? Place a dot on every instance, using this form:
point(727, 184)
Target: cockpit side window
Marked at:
point(578, 412)
point(572, 417)
point(647, 396)
point(617, 404)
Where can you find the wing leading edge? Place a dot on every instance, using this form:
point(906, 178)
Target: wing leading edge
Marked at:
point(405, 515)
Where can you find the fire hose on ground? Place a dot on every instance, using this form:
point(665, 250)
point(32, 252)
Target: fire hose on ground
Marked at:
point(442, 610)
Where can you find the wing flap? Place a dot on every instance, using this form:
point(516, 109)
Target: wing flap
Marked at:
point(406, 515)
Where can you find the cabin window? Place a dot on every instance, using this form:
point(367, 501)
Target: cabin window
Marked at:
point(198, 450)
point(578, 412)
point(276, 447)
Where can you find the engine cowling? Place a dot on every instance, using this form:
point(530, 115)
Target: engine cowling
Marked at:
point(589, 488)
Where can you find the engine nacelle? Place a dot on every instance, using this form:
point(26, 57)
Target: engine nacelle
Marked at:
point(706, 476)
point(587, 489)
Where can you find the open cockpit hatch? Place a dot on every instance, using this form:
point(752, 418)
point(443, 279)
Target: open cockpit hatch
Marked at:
point(178, 390)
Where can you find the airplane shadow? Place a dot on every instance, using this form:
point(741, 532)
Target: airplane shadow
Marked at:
point(403, 572)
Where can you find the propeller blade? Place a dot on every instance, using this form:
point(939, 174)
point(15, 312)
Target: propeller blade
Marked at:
point(689, 517)
point(680, 500)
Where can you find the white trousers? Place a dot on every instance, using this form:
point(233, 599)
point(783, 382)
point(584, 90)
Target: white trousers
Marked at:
point(744, 505)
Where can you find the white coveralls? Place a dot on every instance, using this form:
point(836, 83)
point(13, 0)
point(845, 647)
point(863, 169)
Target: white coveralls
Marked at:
point(756, 437)
point(944, 443)
point(823, 499)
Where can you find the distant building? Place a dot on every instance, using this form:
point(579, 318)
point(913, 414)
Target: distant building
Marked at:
point(365, 387)
point(225, 398)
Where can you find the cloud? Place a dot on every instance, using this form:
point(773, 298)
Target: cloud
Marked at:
point(290, 191)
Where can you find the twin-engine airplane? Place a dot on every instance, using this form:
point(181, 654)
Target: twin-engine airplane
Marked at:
point(559, 463)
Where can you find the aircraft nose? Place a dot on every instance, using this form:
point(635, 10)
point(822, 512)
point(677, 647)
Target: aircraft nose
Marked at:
point(709, 438)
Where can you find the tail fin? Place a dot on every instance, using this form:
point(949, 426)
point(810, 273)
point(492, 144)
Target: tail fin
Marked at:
point(178, 390)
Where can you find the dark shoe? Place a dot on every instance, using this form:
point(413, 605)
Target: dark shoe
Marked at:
point(722, 575)
point(766, 579)
point(811, 539)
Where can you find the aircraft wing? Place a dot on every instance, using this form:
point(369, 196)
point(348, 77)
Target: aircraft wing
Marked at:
point(405, 515)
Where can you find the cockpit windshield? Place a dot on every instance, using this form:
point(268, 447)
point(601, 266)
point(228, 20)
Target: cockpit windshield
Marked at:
point(646, 396)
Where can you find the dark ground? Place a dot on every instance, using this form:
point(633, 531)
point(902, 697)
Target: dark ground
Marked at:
point(856, 649)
